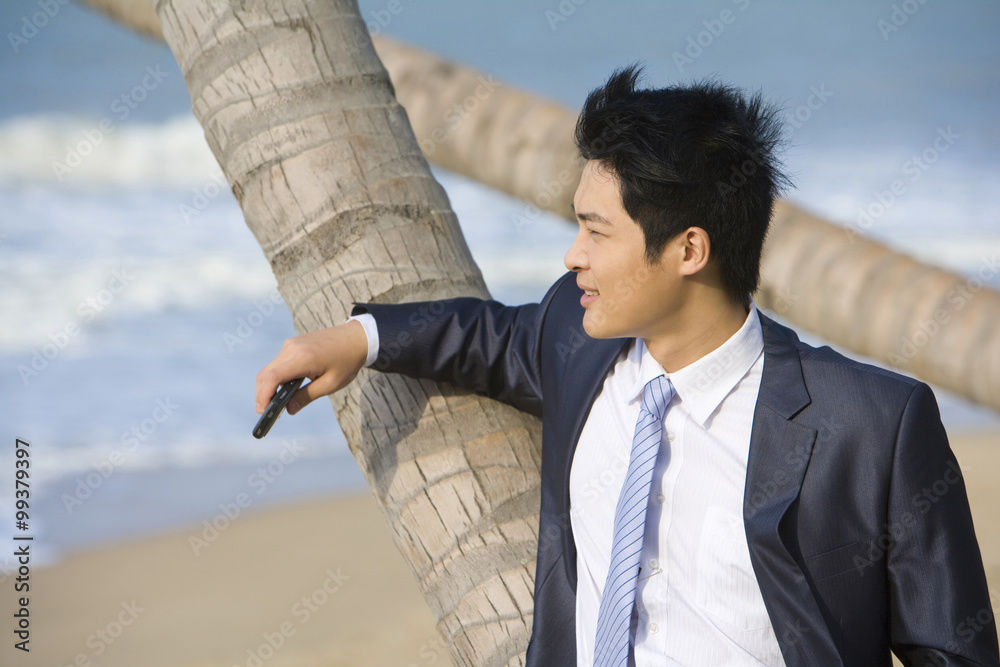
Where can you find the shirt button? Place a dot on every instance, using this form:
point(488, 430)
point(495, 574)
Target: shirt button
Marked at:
point(670, 436)
point(654, 564)
point(660, 498)
point(653, 628)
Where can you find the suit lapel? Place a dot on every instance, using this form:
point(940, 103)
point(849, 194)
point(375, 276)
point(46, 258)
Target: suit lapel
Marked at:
point(780, 450)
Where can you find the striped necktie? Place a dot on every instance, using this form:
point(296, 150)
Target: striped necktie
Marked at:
point(615, 615)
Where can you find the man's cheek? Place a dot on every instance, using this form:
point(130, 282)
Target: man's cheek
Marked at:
point(624, 291)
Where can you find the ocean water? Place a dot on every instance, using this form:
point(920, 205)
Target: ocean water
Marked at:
point(132, 329)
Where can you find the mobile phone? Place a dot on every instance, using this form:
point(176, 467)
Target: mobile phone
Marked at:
point(274, 408)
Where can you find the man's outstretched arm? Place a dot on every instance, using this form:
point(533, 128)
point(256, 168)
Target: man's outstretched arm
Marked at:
point(480, 345)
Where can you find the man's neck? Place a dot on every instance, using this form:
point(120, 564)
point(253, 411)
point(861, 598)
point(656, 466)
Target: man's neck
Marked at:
point(696, 332)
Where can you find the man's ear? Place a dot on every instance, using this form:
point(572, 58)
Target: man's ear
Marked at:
point(696, 248)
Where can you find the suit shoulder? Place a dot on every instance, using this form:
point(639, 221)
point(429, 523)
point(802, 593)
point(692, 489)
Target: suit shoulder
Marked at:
point(830, 359)
point(844, 373)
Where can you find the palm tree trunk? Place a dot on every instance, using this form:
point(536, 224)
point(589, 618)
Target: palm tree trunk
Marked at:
point(863, 296)
point(300, 114)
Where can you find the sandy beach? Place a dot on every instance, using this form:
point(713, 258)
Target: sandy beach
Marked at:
point(314, 584)
point(318, 583)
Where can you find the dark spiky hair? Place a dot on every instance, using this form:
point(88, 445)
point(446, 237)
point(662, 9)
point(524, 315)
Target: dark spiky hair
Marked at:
point(701, 155)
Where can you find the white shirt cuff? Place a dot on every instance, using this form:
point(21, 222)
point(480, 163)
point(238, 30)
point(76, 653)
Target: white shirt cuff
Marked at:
point(367, 320)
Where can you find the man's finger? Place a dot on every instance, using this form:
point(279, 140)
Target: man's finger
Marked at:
point(269, 379)
point(306, 394)
point(265, 390)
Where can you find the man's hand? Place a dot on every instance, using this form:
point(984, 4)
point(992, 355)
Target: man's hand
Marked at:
point(330, 358)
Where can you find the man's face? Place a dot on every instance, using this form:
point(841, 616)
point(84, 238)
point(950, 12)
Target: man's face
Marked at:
point(626, 296)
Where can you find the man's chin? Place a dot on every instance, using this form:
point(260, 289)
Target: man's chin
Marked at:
point(595, 325)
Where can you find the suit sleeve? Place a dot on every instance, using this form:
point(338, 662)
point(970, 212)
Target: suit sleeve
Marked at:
point(479, 345)
point(940, 611)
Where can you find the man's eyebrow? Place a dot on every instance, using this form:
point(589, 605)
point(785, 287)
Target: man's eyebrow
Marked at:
point(587, 216)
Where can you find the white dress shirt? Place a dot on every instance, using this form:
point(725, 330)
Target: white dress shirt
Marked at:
point(367, 320)
point(697, 599)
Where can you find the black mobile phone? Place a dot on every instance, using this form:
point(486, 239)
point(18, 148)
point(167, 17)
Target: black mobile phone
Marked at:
point(274, 408)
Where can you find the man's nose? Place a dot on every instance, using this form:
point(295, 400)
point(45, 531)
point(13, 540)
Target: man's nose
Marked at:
point(576, 257)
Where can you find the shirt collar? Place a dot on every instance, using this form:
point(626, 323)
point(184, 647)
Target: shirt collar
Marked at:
point(702, 385)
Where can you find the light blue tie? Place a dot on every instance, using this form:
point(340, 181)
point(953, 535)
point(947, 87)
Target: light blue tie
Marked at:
point(618, 599)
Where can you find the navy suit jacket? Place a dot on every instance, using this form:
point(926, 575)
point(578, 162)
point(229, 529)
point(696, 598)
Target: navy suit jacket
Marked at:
point(856, 514)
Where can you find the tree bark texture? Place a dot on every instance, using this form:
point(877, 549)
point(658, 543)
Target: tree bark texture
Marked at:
point(301, 116)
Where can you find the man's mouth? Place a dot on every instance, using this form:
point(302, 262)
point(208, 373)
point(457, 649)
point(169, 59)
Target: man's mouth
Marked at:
point(590, 292)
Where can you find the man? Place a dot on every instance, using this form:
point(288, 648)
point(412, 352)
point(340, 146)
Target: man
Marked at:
point(714, 492)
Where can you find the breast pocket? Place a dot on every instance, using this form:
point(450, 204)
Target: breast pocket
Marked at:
point(853, 558)
point(727, 587)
